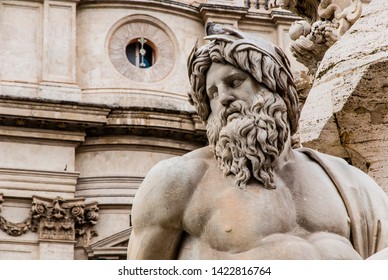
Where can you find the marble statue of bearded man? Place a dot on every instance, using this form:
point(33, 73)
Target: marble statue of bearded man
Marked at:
point(250, 194)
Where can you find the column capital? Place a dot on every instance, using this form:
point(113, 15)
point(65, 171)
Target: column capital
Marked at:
point(56, 219)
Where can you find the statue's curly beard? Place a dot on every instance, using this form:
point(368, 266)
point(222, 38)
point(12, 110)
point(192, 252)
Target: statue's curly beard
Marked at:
point(248, 140)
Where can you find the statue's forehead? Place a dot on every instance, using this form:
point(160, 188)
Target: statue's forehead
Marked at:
point(222, 71)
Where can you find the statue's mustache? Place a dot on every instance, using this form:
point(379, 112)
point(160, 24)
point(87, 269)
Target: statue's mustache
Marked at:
point(235, 109)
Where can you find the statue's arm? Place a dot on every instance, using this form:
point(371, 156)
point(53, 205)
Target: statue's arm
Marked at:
point(158, 210)
point(153, 243)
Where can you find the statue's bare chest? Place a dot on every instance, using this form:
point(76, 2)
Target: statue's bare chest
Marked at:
point(229, 219)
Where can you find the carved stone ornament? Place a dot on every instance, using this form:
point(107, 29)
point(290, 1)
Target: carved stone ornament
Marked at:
point(146, 30)
point(56, 219)
point(14, 229)
point(326, 21)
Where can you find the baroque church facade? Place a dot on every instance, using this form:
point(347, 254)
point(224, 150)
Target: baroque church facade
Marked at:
point(92, 95)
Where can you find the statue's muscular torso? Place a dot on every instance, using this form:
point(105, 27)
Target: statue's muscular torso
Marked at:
point(304, 217)
point(187, 209)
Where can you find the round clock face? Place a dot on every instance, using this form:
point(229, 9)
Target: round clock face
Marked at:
point(141, 49)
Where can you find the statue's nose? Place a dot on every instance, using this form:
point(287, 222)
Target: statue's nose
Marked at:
point(226, 97)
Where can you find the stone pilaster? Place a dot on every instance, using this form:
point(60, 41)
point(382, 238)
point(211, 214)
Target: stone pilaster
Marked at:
point(59, 51)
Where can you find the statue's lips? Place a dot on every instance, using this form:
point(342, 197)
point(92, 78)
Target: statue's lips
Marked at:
point(231, 114)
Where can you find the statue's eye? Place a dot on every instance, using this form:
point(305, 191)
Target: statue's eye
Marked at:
point(212, 92)
point(235, 82)
point(236, 79)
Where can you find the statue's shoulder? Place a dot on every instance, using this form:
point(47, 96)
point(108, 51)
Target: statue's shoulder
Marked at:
point(190, 164)
point(202, 154)
point(170, 185)
point(179, 172)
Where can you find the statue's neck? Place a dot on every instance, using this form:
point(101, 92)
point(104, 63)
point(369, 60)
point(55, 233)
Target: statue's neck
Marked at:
point(285, 157)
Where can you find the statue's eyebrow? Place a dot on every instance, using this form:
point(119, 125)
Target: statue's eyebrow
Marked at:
point(237, 75)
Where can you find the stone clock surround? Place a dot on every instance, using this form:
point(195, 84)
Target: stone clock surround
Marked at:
point(157, 35)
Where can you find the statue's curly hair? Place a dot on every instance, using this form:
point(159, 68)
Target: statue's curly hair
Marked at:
point(260, 58)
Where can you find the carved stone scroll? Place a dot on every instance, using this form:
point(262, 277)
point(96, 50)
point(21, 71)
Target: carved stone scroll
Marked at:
point(84, 229)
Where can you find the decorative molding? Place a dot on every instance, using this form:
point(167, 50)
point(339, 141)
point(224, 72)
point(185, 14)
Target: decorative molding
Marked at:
point(56, 219)
point(16, 229)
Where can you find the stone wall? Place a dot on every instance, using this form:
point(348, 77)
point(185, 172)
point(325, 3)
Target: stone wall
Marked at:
point(347, 106)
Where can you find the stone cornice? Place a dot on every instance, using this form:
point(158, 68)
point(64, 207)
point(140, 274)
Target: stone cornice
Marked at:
point(181, 121)
point(167, 3)
point(222, 13)
point(269, 18)
point(169, 6)
point(169, 124)
point(50, 117)
point(25, 182)
point(139, 143)
point(40, 109)
point(32, 135)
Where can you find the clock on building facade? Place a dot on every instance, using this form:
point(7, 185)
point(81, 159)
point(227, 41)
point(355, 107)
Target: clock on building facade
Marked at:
point(141, 48)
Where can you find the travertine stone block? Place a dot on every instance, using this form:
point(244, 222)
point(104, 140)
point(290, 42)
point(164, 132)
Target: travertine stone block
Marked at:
point(350, 87)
